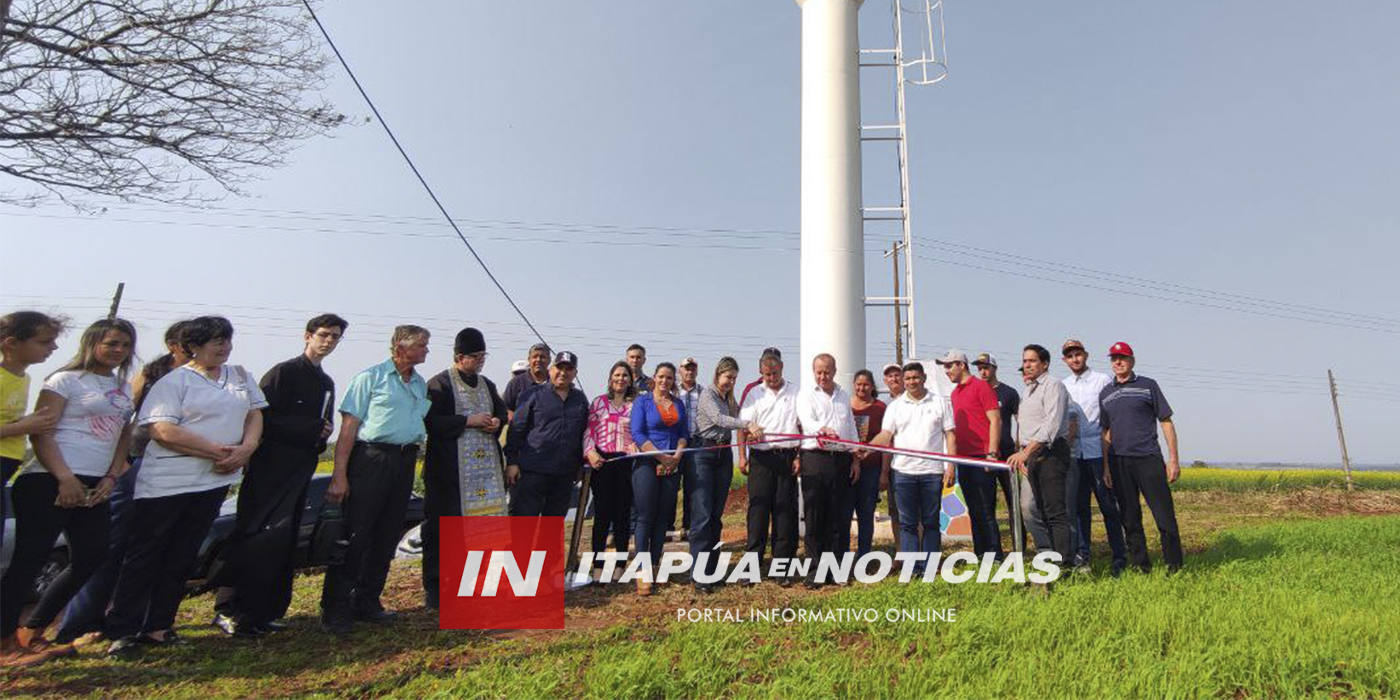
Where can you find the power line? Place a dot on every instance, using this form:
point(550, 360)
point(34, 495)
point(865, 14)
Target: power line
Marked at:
point(421, 180)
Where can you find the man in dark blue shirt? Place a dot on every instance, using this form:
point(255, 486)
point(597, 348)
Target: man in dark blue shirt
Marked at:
point(1129, 410)
point(544, 445)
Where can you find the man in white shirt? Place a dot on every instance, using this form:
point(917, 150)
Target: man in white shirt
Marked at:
point(1087, 468)
point(827, 470)
point(772, 467)
point(918, 420)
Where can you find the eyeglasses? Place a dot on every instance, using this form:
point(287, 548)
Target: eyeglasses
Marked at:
point(479, 356)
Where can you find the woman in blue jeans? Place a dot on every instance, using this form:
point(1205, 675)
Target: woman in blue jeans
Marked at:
point(658, 425)
point(861, 499)
point(918, 420)
point(711, 471)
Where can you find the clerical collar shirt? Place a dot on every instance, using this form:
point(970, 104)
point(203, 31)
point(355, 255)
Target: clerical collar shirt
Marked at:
point(1084, 390)
point(1044, 411)
point(817, 409)
point(774, 411)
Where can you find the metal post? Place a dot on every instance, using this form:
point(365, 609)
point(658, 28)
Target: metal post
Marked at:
point(116, 301)
point(1018, 535)
point(1341, 437)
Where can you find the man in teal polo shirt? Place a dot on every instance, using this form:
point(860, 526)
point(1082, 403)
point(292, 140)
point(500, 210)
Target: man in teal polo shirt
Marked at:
point(375, 453)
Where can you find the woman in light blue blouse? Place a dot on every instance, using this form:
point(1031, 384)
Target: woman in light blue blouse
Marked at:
point(658, 425)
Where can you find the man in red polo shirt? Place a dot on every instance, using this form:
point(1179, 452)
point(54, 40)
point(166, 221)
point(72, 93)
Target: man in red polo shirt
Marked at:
point(977, 426)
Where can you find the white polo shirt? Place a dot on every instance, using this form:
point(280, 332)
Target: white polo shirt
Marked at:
point(918, 425)
point(213, 409)
point(774, 411)
point(817, 409)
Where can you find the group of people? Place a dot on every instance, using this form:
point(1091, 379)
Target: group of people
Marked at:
point(131, 467)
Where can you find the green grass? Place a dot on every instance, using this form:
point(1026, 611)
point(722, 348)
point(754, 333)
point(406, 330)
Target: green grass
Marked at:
point(1291, 608)
point(1211, 479)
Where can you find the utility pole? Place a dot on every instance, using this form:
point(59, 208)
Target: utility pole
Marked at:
point(893, 255)
point(116, 301)
point(1341, 437)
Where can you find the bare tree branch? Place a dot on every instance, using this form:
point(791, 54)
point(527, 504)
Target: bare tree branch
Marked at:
point(153, 99)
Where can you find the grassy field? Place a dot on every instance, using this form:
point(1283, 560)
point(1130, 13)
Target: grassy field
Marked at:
point(1287, 593)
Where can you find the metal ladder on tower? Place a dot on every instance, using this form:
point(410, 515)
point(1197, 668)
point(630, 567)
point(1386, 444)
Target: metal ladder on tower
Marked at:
point(929, 68)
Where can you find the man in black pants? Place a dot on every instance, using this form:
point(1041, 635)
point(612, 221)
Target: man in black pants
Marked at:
point(772, 468)
point(544, 444)
point(375, 453)
point(256, 576)
point(1045, 451)
point(825, 409)
point(1133, 405)
point(463, 424)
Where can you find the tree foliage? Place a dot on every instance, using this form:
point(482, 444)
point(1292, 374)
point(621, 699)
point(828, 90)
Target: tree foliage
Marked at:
point(153, 99)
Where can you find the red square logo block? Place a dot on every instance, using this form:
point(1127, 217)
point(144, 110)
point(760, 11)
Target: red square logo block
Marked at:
point(501, 573)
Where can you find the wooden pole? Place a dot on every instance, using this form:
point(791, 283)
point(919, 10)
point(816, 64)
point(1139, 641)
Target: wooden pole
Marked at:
point(116, 301)
point(576, 535)
point(1341, 436)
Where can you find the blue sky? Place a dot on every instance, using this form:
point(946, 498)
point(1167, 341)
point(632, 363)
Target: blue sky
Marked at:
point(648, 153)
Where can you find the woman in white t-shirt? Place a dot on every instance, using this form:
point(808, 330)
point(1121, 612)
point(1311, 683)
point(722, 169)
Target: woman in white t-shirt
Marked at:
point(205, 421)
point(66, 489)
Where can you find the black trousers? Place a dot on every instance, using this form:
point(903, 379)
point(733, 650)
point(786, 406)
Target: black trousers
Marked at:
point(612, 503)
point(8, 467)
point(166, 534)
point(980, 487)
point(772, 497)
point(1146, 476)
point(442, 498)
point(536, 494)
point(381, 481)
point(1047, 476)
point(37, 524)
point(826, 484)
point(259, 563)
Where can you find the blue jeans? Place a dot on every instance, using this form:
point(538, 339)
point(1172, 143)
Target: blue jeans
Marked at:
point(980, 487)
point(919, 497)
point(1085, 477)
point(88, 608)
point(707, 477)
point(860, 503)
point(653, 506)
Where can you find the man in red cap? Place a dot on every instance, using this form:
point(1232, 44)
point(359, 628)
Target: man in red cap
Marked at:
point(1130, 409)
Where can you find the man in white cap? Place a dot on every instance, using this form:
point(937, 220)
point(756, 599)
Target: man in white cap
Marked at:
point(518, 368)
point(1086, 473)
point(977, 423)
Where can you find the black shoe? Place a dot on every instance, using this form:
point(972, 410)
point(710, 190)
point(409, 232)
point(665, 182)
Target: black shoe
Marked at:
point(786, 582)
point(376, 617)
point(811, 584)
point(238, 629)
point(705, 588)
point(125, 648)
point(274, 626)
point(169, 640)
point(337, 625)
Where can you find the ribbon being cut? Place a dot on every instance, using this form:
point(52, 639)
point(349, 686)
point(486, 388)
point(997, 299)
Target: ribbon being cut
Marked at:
point(825, 442)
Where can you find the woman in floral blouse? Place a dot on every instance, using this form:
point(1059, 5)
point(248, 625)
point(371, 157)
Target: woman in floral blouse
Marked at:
point(609, 435)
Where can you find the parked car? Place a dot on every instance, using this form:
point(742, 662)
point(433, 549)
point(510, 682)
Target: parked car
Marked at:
point(212, 551)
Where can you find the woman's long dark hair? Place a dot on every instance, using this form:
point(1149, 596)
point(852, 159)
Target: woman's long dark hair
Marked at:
point(631, 391)
point(86, 357)
point(161, 366)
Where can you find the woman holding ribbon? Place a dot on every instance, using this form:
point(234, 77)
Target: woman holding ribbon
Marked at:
point(606, 445)
point(713, 469)
point(862, 497)
point(659, 429)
